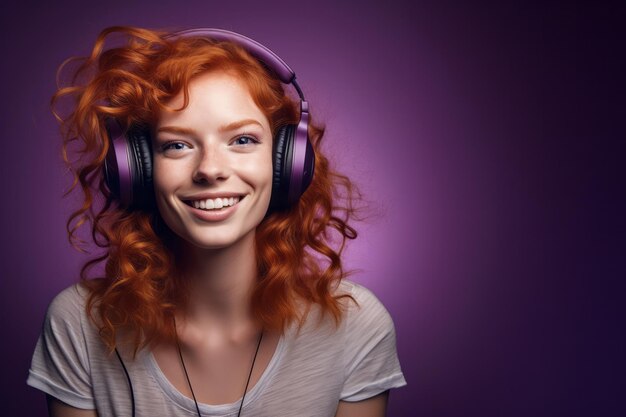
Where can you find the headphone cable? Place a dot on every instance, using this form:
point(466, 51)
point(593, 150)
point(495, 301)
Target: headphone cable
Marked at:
point(130, 384)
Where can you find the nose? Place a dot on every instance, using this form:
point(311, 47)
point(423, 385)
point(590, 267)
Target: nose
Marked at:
point(212, 165)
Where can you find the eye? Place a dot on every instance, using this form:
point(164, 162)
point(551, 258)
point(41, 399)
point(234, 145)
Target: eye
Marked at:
point(174, 146)
point(245, 140)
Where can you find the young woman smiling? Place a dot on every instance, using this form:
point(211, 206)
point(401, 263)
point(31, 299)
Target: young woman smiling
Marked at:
point(222, 292)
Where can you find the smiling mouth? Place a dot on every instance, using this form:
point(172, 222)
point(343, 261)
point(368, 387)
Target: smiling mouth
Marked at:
point(214, 203)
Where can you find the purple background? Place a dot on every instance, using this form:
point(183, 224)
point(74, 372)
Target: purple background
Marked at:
point(489, 138)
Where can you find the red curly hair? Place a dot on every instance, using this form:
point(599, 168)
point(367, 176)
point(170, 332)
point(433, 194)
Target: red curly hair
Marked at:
point(298, 250)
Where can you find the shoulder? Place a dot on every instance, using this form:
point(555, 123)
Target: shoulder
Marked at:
point(60, 366)
point(68, 305)
point(366, 311)
point(67, 331)
point(369, 348)
point(66, 317)
point(359, 293)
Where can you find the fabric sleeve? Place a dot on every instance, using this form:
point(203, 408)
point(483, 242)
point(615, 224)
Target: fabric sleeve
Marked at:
point(59, 366)
point(371, 359)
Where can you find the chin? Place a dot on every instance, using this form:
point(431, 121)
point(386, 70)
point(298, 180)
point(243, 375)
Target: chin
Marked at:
point(217, 240)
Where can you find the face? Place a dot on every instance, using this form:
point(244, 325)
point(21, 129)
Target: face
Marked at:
point(213, 163)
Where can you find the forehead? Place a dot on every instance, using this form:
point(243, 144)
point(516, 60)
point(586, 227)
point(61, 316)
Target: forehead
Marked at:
point(214, 96)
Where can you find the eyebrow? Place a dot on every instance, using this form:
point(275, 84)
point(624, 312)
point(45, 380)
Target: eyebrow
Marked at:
point(226, 128)
point(177, 129)
point(238, 124)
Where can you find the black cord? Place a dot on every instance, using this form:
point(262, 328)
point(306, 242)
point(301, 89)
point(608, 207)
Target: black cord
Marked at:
point(180, 353)
point(130, 384)
point(250, 374)
point(182, 361)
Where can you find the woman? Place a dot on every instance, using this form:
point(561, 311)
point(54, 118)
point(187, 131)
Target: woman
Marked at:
point(223, 291)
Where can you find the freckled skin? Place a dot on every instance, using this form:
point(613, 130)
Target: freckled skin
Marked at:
point(208, 159)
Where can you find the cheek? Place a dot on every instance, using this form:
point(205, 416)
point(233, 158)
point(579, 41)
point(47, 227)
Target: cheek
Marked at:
point(158, 179)
point(166, 179)
point(166, 174)
point(267, 171)
point(258, 170)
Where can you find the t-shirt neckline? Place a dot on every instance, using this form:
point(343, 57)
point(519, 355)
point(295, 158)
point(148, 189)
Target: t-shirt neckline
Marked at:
point(188, 404)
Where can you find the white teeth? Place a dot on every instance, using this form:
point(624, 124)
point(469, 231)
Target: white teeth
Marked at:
point(215, 203)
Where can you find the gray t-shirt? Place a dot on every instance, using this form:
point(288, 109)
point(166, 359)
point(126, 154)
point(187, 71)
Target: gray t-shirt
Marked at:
point(310, 371)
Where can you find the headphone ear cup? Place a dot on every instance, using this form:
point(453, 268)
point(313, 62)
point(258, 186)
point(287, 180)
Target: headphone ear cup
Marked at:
point(283, 151)
point(141, 166)
point(128, 165)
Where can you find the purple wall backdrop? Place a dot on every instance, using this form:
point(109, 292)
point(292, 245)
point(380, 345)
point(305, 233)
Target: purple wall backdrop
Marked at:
point(490, 138)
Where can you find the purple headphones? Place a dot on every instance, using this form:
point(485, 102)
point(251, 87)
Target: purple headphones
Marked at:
point(128, 164)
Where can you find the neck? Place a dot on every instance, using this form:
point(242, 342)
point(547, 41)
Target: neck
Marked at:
point(221, 282)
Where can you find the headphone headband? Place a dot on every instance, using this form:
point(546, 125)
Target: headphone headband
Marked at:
point(261, 52)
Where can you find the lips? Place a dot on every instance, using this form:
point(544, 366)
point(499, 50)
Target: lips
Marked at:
point(216, 203)
point(213, 207)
